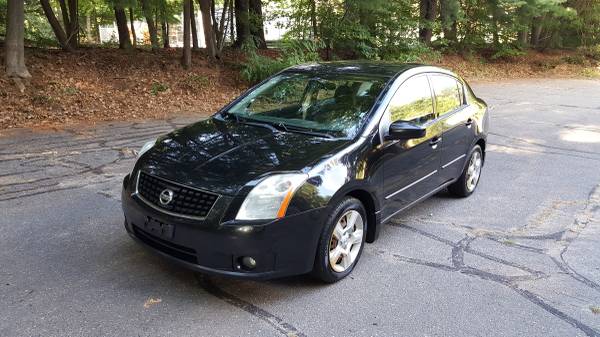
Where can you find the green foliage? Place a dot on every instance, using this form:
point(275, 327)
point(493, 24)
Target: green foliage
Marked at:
point(507, 53)
point(592, 52)
point(71, 90)
point(158, 87)
point(258, 67)
point(577, 59)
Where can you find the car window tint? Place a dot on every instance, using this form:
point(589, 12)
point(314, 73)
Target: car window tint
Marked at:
point(412, 102)
point(447, 93)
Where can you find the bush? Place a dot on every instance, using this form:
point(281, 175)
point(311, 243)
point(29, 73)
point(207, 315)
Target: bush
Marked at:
point(258, 67)
point(507, 53)
point(411, 51)
point(577, 59)
point(592, 52)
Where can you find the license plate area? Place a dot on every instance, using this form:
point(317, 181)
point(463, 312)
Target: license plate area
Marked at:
point(159, 228)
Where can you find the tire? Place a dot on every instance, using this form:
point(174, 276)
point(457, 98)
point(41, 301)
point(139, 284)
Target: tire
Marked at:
point(323, 269)
point(464, 186)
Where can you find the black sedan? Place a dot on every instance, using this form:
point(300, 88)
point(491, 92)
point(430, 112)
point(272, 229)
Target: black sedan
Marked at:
point(300, 171)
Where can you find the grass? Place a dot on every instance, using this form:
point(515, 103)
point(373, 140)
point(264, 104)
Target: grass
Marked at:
point(71, 90)
point(595, 309)
point(158, 87)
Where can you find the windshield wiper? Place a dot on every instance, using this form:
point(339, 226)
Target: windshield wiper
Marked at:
point(307, 131)
point(253, 122)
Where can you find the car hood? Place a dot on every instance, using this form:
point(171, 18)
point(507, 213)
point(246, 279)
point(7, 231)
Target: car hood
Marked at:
point(222, 156)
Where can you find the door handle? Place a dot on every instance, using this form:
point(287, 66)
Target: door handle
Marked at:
point(469, 122)
point(435, 141)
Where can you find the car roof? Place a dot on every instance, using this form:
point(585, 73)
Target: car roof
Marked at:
point(376, 68)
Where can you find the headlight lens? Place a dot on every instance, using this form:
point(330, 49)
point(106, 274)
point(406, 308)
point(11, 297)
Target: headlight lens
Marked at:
point(271, 197)
point(145, 148)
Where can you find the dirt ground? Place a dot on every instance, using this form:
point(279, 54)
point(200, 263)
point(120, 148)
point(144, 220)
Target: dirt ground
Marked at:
point(99, 84)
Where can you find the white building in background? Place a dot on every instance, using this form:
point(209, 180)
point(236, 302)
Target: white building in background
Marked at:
point(274, 30)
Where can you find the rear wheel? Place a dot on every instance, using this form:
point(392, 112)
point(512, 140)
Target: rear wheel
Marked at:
point(468, 180)
point(342, 241)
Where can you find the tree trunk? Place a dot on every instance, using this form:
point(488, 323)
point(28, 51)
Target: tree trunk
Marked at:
point(73, 28)
point(222, 28)
point(65, 15)
point(449, 15)
point(151, 25)
point(427, 16)
point(231, 23)
point(536, 32)
point(131, 21)
point(209, 36)
point(257, 28)
point(14, 44)
point(121, 18)
point(313, 18)
point(186, 59)
point(242, 22)
point(165, 34)
point(61, 37)
point(193, 23)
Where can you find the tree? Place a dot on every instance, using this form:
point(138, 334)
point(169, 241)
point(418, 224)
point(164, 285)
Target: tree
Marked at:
point(193, 26)
point(427, 17)
point(242, 22)
point(121, 19)
point(147, 10)
point(131, 23)
point(58, 30)
point(14, 44)
point(449, 10)
point(257, 29)
point(186, 59)
point(209, 35)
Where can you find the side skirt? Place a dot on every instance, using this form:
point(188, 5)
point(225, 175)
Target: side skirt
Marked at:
point(425, 196)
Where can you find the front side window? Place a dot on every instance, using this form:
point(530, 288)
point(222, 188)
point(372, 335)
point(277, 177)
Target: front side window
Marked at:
point(448, 93)
point(412, 102)
point(319, 102)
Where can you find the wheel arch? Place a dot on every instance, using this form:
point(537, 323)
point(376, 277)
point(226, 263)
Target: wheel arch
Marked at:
point(371, 207)
point(481, 143)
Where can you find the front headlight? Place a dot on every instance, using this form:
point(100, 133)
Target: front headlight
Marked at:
point(145, 148)
point(271, 197)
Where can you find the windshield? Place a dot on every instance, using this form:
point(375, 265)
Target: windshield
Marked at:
point(316, 102)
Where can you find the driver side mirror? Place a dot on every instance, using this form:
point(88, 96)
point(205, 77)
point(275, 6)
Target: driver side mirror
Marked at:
point(401, 130)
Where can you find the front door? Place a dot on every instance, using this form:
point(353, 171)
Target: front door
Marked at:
point(411, 167)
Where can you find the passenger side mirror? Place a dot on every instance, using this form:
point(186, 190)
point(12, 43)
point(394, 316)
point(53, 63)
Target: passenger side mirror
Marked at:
point(405, 130)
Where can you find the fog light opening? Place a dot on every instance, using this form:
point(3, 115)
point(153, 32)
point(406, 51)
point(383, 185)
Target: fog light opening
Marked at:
point(247, 262)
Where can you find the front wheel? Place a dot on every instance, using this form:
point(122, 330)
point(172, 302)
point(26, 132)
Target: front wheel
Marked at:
point(467, 182)
point(342, 241)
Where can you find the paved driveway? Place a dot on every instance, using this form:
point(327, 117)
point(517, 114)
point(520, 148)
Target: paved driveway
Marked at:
point(521, 257)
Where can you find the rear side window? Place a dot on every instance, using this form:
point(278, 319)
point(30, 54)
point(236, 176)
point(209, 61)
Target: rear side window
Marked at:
point(448, 93)
point(412, 102)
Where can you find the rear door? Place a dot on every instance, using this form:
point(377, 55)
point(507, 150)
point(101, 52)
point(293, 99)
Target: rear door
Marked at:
point(456, 121)
point(411, 166)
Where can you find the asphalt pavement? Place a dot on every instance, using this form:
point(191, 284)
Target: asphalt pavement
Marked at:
point(520, 257)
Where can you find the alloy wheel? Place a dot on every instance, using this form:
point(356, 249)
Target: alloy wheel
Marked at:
point(473, 171)
point(346, 240)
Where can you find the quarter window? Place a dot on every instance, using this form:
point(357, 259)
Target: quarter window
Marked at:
point(412, 102)
point(448, 93)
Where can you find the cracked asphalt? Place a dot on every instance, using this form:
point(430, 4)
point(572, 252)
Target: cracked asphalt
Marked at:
point(520, 257)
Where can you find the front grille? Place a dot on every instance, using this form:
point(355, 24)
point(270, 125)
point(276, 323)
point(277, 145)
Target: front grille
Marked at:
point(186, 201)
point(175, 250)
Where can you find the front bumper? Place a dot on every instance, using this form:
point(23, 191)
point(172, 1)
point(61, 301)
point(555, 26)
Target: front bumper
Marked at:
point(281, 247)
